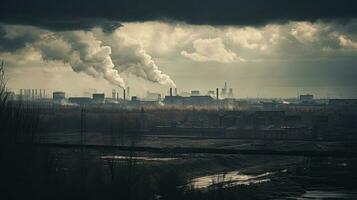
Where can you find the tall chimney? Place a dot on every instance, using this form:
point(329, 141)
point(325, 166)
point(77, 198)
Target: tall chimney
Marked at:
point(128, 92)
point(175, 91)
point(124, 95)
point(117, 96)
point(170, 92)
point(217, 93)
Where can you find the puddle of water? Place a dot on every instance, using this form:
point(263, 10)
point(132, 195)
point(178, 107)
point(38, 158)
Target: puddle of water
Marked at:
point(137, 158)
point(334, 194)
point(228, 179)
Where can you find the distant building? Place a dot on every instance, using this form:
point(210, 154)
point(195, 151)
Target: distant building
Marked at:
point(199, 100)
point(230, 93)
point(173, 100)
point(195, 93)
point(135, 101)
point(191, 100)
point(58, 96)
point(153, 96)
point(135, 98)
point(224, 90)
point(98, 98)
point(80, 100)
point(306, 97)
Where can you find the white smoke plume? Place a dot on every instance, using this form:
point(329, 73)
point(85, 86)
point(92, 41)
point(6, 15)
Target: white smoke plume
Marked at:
point(96, 53)
point(83, 52)
point(129, 55)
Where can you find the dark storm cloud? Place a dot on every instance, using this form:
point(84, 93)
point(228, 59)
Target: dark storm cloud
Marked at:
point(10, 44)
point(83, 14)
point(58, 23)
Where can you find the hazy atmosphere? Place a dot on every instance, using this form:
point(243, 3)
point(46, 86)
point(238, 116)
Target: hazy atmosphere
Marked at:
point(312, 50)
point(178, 99)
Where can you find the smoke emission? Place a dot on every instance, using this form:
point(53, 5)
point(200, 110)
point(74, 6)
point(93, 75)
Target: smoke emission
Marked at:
point(97, 53)
point(129, 56)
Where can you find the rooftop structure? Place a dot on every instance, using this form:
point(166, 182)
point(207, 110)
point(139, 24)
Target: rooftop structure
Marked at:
point(306, 97)
point(58, 96)
point(98, 98)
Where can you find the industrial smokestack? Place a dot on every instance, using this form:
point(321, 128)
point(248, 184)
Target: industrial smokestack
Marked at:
point(124, 94)
point(217, 93)
point(117, 96)
point(170, 92)
point(175, 91)
point(128, 92)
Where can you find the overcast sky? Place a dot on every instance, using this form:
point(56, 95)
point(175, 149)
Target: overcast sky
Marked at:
point(275, 48)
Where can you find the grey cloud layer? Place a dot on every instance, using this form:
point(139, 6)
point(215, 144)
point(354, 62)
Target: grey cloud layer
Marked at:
point(79, 14)
point(139, 48)
point(211, 50)
point(130, 47)
point(232, 44)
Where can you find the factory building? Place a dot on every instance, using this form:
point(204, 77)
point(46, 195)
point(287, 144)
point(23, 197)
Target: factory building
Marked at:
point(153, 96)
point(169, 100)
point(304, 98)
point(198, 100)
point(226, 92)
point(58, 96)
point(80, 100)
point(98, 98)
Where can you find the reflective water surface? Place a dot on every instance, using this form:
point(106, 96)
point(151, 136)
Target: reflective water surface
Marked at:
point(140, 158)
point(231, 178)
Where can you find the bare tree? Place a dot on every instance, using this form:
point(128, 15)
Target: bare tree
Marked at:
point(3, 96)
